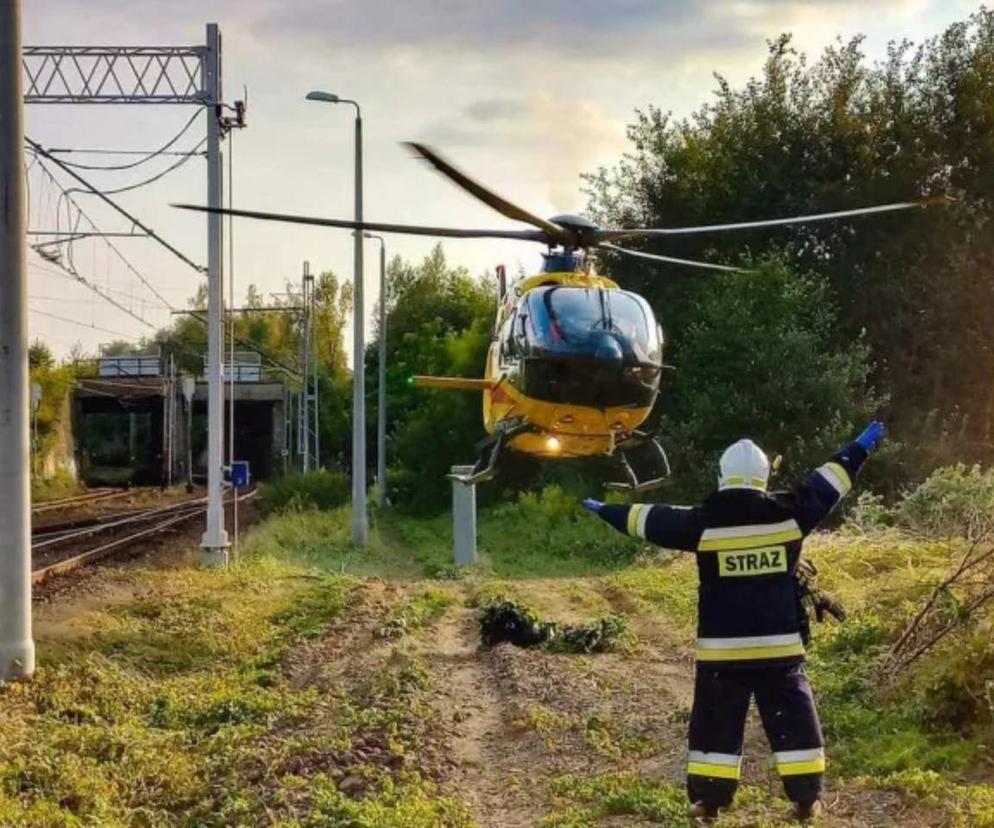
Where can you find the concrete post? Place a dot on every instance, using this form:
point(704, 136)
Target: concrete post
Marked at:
point(463, 518)
point(360, 522)
point(381, 408)
point(17, 649)
point(214, 546)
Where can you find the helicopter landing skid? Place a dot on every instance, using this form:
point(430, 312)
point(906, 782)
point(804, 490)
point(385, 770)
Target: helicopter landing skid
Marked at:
point(658, 454)
point(486, 466)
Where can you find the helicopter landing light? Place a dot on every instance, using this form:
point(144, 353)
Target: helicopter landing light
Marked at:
point(553, 446)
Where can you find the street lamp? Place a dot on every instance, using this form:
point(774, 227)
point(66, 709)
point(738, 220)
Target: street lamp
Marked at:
point(359, 521)
point(381, 405)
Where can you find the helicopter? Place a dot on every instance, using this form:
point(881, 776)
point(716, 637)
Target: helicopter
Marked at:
point(575, 363)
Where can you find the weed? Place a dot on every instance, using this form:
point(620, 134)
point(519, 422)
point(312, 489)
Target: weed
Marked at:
point(421, 611)
point(320, 489)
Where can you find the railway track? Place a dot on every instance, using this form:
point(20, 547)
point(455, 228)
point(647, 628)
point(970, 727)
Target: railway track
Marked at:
point(65, 547)
point(92, 496)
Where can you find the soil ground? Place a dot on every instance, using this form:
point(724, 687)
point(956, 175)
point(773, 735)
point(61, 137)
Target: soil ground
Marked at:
point(393, 684)
point(500, 727)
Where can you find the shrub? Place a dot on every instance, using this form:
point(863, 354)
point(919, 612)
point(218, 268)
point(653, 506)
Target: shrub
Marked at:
point(315, 490)
point(955, 500)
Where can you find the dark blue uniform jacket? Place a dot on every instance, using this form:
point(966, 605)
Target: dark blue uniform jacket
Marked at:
point(747, 544)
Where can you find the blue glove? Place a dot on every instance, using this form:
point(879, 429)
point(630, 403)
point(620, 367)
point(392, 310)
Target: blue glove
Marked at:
point(872, 435)
point(592, 505)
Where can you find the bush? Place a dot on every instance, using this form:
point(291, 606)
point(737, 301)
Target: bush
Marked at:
point(315, 490)
point(953, 501)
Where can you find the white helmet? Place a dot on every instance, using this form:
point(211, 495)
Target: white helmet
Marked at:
point(744, 466)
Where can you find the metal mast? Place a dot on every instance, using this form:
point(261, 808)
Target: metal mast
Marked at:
point(214, 546)
point(17, 649)
point(157, 75)
point(306, 397)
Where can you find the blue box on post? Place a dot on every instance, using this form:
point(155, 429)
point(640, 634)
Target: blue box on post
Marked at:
point(240, 474)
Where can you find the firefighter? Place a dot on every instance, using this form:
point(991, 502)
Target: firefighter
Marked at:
point(747, 543)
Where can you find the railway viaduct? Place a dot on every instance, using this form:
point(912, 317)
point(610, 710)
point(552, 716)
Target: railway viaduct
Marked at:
point(134, 421)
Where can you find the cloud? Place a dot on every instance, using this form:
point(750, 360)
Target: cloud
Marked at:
point(494, 109)
point(578, 27)
point(553, 137)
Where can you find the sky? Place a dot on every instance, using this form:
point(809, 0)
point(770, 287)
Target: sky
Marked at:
point(526, 96)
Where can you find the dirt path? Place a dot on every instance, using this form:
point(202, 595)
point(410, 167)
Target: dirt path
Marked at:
point(515, 721)
point(488, 774)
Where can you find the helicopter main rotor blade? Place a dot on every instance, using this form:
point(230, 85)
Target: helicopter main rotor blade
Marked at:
point(622, 233)
point(486, 195)
point(638, 254)
point(406, 229)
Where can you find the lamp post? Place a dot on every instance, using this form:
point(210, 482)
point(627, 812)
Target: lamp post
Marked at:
point(381, 399)
point(359, 521)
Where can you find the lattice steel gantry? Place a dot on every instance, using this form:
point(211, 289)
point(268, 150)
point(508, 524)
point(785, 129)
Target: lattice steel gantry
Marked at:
point(159, 75)
point(115, 74)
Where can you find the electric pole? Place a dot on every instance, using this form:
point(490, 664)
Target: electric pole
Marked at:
point(17, 649)
point(306, 401)
point(314, 371)
point(214, 546)
point(381, 399)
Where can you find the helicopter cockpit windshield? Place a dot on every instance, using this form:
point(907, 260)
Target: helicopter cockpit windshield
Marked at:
point(589, 346)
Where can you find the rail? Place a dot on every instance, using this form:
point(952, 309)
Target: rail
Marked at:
point(171, 515)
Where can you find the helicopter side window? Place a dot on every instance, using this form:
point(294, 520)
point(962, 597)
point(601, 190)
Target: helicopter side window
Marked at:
point(508, 346)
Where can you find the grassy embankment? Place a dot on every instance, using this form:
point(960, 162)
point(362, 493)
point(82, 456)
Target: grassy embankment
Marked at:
point(301, 689)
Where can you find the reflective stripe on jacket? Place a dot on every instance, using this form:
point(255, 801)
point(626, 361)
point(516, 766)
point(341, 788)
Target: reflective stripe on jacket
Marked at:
point(747, 544)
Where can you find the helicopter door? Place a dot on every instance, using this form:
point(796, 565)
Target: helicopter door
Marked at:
point(508, 344)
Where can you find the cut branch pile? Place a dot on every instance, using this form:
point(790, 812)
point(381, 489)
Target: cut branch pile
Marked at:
point(502, 620)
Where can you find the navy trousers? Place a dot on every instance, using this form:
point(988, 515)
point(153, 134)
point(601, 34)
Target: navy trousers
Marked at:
point(717, 720)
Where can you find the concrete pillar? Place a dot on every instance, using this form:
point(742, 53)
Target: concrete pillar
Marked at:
point(463, 518)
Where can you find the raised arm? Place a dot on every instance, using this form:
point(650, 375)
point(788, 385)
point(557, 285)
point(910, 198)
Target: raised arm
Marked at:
point(820, 492)
point(673, 527)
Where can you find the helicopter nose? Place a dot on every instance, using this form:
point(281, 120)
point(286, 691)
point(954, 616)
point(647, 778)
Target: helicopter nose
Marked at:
point(608, 349)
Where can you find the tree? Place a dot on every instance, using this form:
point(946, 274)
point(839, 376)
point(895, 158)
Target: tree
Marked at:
point(439, 321)
point(760, 360)
point(839, 133)
point(40, 355)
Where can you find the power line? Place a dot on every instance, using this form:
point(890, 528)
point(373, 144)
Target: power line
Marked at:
point(116, 167)
point(71, 271)
point(147, 181)
point(128, 294)
point(54, 260)
point(252, 346)
point(69, 321)
point(113, 152)
point(38, 148)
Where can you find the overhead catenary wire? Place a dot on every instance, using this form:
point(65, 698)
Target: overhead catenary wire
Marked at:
point(151, 180)
point(69, 321)
point(130, 166)
point(252, 346)
point(39, 149)
point(82, 213)
point(74, 274)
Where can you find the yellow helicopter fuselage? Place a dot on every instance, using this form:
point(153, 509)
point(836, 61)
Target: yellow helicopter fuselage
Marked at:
point(581, 409)
point(557, 429)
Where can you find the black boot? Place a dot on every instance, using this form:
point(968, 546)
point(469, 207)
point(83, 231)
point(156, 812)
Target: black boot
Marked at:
point(807, 811)
point(703, 811)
